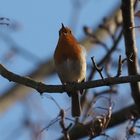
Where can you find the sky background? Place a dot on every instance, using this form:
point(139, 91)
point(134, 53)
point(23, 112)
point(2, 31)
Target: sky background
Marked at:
point(37, 25)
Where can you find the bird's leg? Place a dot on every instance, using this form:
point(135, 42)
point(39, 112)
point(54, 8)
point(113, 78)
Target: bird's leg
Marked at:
point(71, 84)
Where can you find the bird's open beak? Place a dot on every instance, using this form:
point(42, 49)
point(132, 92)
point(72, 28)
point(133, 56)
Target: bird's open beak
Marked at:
point(63, 27)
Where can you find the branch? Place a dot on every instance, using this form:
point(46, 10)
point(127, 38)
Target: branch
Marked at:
point(130, 46)
point(41, 87)
point(107, 56)
point(100, 32)
point(81, 131)
point(99, 70)
point(19, 92)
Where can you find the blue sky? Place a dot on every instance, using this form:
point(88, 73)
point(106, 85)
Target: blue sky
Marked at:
point(39, 22)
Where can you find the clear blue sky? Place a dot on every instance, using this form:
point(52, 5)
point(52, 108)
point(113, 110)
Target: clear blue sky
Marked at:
point(39, 22)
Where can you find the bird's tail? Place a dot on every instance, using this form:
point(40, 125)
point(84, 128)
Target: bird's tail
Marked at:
point(76, 106)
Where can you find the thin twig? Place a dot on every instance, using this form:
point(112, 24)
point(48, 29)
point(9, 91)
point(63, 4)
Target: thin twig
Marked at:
point(113, 48)
point(62, 124)
point(97, 68)
point(119, 72)
point(121, 62)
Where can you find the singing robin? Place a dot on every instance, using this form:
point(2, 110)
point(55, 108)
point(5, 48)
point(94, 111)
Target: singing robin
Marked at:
point(70, 63)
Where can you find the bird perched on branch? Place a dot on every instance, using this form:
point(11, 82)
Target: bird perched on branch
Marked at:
point(70, 63)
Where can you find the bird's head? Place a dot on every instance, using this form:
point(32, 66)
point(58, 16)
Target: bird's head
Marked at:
point(64, 31)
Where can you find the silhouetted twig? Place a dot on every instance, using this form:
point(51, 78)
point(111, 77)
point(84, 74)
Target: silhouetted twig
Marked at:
point(97, 68)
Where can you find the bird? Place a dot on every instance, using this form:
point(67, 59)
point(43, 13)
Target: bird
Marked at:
point(70, 64)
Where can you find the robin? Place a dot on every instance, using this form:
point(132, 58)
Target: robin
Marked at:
point(70, 63)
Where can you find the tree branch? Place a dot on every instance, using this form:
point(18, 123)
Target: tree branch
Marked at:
point(41, 87)
point(80, 131)
point(130, 46)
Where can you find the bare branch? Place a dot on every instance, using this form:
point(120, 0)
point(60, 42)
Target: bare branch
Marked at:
point(41, 87)
point(107, 56)
point(130, 46)
point(80, 131)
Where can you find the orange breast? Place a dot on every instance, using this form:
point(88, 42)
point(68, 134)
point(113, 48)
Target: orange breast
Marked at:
point(67, 48)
